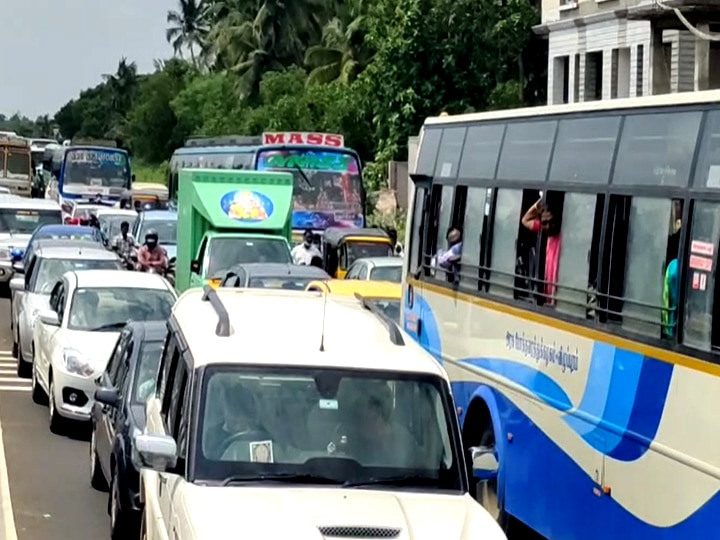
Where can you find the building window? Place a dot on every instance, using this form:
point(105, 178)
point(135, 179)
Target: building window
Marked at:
point(593, 76)
point(561, 79)
point(639, 71)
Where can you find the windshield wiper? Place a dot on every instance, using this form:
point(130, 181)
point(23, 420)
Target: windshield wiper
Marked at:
point(304, 176)
point(281, 477)
point(111, 326)
point(408, 480)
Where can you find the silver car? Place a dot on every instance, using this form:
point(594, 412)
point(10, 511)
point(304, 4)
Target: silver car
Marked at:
point(31, 290)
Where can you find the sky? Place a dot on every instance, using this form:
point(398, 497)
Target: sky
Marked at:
point(50, 50)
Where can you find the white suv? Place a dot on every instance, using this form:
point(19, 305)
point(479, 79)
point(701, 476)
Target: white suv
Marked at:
point(283, 414)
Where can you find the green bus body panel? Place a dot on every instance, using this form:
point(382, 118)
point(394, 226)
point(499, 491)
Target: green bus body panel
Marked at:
point(229, 201)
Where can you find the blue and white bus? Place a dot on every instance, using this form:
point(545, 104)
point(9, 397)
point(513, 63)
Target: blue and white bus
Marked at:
point(329, 189)
point(592, 367)
point(88, 171)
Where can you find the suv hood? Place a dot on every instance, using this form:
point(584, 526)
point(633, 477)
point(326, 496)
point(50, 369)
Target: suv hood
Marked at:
point(307, 513)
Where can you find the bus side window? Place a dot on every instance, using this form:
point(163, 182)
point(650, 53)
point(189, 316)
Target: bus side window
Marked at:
point(444, 222)
point(417, 235)
point(701, 288)
point(473, 258)
point(432, 226)
point(505, 242)
point(637, 268)
point(578, 261)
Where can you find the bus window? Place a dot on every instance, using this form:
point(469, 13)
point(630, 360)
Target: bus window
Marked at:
point(701, 288)
point(707, 172)
point(429, 143)
point(481, 151)
point(645, 264)
point(508, 207)
point(473, 237)
point(585, 149)
point(417, 228)
point(578, 263)
point(448, 157)
point(444, 222)
point(526, 151)
point(657, 149)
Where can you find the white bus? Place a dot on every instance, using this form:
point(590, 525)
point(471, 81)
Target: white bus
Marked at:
point(582, 338)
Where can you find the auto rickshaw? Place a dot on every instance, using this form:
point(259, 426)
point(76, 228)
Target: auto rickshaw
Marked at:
point(342, 247)
point(154, 194)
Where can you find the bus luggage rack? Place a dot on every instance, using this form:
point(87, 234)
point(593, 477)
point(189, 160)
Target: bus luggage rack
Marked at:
point(232, 140)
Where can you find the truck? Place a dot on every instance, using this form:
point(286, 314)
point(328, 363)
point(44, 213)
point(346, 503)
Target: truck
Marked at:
point(229, 217)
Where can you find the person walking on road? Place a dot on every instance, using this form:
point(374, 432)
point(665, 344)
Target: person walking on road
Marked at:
point(305, 252)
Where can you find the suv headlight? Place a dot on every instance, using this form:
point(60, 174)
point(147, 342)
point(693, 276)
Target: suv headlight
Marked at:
point(5, 253)
point(75, 363)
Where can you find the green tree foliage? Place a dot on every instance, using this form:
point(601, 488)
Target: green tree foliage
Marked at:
point(372, 70)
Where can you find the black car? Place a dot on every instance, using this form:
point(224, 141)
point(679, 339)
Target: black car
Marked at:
point(272, 276)
point(118, 415)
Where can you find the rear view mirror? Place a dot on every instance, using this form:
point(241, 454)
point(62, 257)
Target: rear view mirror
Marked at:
point(195, 267)
point(49, 317)
point(18, 267)
point(158, 452)
point(107, 396)
point(484, 462)
point(17, 284)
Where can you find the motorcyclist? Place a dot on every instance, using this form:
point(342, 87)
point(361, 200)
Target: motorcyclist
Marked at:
point(124, 243)
point(151, 256)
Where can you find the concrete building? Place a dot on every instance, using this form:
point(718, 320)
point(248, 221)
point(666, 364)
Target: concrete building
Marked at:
point(606, 49)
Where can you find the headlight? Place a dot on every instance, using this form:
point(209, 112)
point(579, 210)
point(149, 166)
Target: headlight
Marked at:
point(5, 253)
point(75, 363)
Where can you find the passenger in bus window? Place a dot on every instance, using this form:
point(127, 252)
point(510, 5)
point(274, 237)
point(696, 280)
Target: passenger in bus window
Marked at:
point(540, 218)
point(449, 260)
point(671, 283)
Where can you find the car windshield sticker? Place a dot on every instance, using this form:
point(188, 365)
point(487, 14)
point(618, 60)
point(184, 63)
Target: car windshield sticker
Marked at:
point(261, 452)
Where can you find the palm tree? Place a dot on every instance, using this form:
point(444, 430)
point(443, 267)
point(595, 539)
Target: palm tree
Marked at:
point(122, 85)
point(189, 30)
point(341, 54)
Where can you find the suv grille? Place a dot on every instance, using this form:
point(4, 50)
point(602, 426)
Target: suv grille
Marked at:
point(360, 532)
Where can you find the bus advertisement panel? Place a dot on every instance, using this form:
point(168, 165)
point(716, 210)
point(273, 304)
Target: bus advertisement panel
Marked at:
point(328, 187)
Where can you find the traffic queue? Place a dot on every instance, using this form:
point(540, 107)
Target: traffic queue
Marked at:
point(224, 373)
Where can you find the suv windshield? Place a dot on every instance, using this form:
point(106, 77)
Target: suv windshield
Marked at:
point(99, 309)
point(280, 282)
point(387, 273)
point(51, 270)
point(351, 427)
point(18, 221)
point(362, 250)
point(227, 252)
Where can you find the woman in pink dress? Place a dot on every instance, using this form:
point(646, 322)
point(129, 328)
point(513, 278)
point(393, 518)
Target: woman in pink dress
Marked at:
point(540, 218)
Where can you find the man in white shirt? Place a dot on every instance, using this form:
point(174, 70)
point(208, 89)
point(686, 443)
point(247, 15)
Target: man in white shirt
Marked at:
point(304, 253)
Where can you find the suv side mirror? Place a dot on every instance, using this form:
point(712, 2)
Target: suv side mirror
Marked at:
point(107, 396)
point(195, 266)
point(484, 462)
point(18, 267)
point(158, 452)
point(49, 317)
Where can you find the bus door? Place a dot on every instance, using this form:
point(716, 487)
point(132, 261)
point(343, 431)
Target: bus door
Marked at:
point(416, 261)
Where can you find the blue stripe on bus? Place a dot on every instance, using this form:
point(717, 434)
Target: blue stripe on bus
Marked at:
point(597, 388)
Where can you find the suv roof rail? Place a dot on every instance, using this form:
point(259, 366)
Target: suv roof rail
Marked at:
point(393, 328)
point(223, 326)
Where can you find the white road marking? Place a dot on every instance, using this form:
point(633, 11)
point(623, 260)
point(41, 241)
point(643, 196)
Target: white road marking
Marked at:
point(7, 519)
point(9, 381)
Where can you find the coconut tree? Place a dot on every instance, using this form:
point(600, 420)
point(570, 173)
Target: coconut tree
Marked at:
point(189, 28)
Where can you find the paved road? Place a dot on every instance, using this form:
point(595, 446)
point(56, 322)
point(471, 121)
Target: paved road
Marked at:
point(49, 475)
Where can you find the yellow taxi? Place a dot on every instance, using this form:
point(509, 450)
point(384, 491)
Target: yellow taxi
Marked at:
point(385, 295)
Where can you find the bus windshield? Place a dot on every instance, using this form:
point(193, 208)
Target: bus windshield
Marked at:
point(328, 186)
point(17, 221)
point(97, 168)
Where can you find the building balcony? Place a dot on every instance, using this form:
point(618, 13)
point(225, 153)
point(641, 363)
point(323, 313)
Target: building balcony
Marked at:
point(695, 11)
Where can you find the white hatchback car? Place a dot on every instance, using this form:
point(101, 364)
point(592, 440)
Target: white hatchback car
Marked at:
point(31, 290)
point(73, 340)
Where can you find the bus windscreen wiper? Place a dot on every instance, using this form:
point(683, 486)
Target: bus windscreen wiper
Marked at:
point(407, 480)
point(304, 176)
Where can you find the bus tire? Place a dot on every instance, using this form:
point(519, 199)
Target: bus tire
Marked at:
point(478, 431)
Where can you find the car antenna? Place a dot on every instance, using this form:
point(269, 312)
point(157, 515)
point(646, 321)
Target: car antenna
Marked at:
point(322, 336)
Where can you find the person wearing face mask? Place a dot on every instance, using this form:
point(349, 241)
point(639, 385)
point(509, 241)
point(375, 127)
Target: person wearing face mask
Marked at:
point(151, 256)
point(305, 252)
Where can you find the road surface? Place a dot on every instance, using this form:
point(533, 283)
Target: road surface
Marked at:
point(48, 475)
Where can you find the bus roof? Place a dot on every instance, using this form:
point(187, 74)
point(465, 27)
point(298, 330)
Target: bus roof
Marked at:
point(683, 98)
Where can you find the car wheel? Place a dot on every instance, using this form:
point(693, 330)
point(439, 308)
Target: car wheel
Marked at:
point(56, 422)
point(23, 368)
point(119, 520)
point(97, 478)
point(38, 394)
